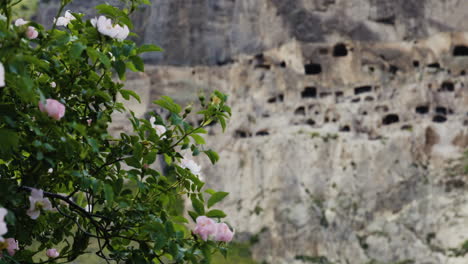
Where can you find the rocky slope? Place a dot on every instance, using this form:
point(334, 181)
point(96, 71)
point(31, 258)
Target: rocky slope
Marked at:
point(349, 120)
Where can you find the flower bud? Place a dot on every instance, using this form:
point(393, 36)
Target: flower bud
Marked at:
point(52, 253)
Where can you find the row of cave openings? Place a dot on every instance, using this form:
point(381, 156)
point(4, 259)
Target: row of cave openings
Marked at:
point(340, 50)
point(440, 116)
point(311, 92)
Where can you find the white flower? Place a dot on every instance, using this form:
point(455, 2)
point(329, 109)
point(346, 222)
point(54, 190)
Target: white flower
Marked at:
point(104, 26)
point(160, 130)
point(2, 75)
point(38, 202)
point(191, 165)
point(69, 16)
point(20, 22)
point(122, 32)
point(65, 20)
point(3, 225)
point(53, 84)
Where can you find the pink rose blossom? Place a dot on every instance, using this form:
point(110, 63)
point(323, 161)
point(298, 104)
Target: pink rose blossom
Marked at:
point(3, 225)
point(38, 202)
point(223, 233)
point(31, 33)
point(12, 246)
point(206, 227)
point(53, 108)
point(52, 253)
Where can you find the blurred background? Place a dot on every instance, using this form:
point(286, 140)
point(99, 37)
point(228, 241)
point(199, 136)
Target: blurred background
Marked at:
point(349, 120)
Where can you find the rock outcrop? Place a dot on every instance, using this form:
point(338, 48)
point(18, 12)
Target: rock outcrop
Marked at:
point(347, 153)
point(349, 120)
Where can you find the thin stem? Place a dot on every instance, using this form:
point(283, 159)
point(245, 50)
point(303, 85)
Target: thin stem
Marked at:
point(62, 6)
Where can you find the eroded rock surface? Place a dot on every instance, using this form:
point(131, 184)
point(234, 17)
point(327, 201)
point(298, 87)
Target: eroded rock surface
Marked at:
point(346, 152)
point(349, 120)
point(215, 32)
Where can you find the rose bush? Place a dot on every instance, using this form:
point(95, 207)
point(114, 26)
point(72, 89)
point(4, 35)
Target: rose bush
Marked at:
point(65, 182)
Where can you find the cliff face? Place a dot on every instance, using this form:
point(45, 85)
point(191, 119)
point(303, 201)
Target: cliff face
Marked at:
point(349, 120)
point(212, 32)
point(348, 153)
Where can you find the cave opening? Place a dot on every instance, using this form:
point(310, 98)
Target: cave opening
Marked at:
point(310, 122)
point(439, 119)
point(262, 133)
point(390, 119)
point(422, 109)
point(441, 110)
point(345, 128)
point(460, 50)
point(362, 89)
point(312, 68)
point(434, 65)
point(447, 87)
point(241, 134)
point(281, 97)
point(340, 50)
point(309, 92)
point(300, 110)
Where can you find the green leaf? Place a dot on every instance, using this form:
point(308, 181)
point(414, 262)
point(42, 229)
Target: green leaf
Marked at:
point(138, 62)
point(210, 191)
point(213, 156)
point(133, 162)
point(10, 141)
point(198, 139)
point(216, 214)
point(76, 49)
point(193, 215)
point(104, 60)
point(222, 121)
point(127, 93)
point(108, 193)
point(198, 206)
point(120, 67)
point(217, 197)
point(167, 103)
point(149, 48)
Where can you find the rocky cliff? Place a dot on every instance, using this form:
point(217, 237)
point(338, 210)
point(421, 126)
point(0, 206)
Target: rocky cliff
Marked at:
point(215, 32)
point(349, 120)
point(348, 153)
